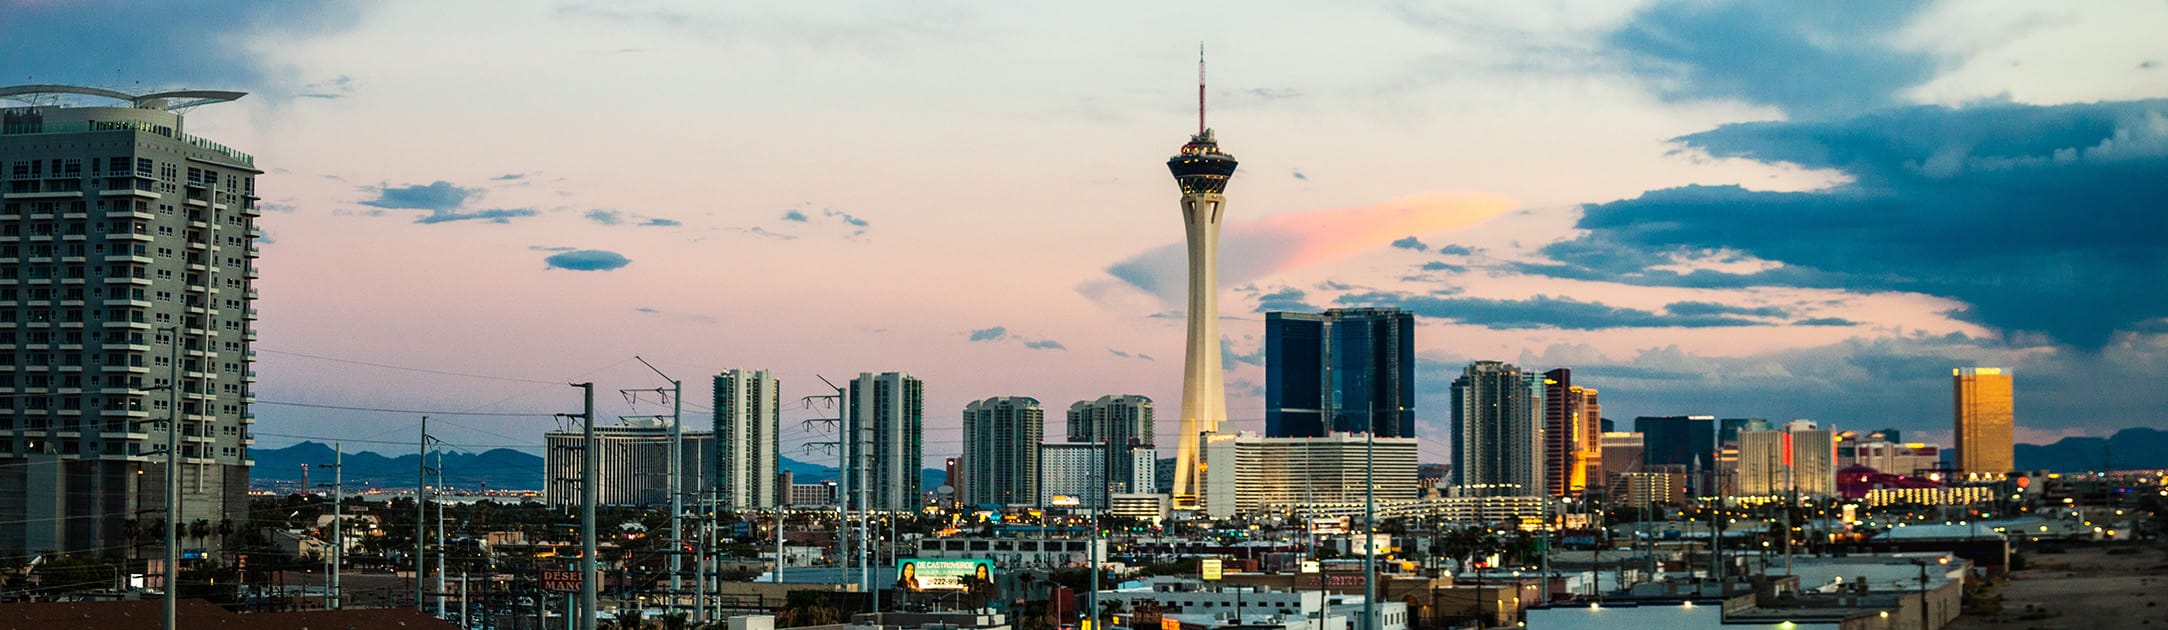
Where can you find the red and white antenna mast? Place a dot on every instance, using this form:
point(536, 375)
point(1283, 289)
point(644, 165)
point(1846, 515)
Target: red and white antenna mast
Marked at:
point(1200, 88)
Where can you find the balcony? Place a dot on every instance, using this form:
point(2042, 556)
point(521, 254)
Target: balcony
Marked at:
point(58, 194)
point(129, 258)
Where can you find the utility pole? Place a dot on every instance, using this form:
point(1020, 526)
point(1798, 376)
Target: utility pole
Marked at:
point(421, 515)
point(590, 494)
point(173, 476)
point(862, 459)
point(332, 599)
point(1092, 551)
point(440, 537)
point(846, 448)
point(677, 507)
point(1370, 529)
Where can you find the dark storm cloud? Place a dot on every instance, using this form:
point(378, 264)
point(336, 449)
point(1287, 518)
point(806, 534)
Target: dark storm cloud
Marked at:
point(1809, 58)
point(2042, 219)
point(1541, 311)
point(194, 44)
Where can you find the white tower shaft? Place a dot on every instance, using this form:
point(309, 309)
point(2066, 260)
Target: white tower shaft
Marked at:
point(1204, 395)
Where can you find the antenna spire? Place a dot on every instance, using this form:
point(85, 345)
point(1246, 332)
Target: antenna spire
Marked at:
point(1200, 88)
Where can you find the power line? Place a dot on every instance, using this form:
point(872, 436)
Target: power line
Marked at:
point(405, 368)
point(391, 442)
point(433, 412)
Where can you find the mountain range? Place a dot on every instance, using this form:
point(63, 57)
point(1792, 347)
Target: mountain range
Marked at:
point(501, 468)
point(2134, 448)
point(509, 469)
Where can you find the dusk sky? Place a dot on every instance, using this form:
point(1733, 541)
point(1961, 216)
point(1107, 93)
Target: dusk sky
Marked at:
point(1784, 210)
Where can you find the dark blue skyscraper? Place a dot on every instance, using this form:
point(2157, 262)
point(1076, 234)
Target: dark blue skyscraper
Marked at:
point(1677, 440)
point(1347, 370)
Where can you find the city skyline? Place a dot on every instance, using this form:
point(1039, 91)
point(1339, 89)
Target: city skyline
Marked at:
point(415, 230)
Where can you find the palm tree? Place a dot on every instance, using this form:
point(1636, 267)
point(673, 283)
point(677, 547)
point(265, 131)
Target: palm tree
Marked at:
point(200, 529)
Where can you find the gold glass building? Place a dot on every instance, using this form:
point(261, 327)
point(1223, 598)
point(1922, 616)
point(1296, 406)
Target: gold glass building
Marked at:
point(1984, 417)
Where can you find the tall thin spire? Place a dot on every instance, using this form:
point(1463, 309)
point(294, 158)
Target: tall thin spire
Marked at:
point(1200, 88)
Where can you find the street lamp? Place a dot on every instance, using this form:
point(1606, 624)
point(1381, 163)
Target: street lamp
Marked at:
point(1923, 564)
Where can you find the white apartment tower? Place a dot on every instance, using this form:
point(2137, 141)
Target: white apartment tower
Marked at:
point(1001, 450)
point(1498, 430)
point(1123, 422)
point(127, 290)
point(884, 426)
point(747, 404)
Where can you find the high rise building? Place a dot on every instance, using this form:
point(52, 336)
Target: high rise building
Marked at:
point(1572, 435)
point(635, 459)
point(1677, 440)
point(747, 405)
point(1347, 370)
point(1001, 450)
point(1253, 474)
point(1125, 422)
point(127, 302)
point(1076, 470)
point(1985, 420)
point(884, 422)
point(1727, 429)
point(1878, 451)
point(1622, 453)
point(1497, 431)
point(1799, 457)
point(1201, 170)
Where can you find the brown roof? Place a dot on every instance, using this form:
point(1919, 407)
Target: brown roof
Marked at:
point(196, 613)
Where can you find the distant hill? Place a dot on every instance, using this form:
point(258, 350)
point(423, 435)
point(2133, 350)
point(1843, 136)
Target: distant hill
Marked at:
point(498, 469)
point(2127, 449)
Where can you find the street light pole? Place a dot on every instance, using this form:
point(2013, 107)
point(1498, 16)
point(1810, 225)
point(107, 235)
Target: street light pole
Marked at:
point(590, 494)
point(1370, 529)
point(338, 536)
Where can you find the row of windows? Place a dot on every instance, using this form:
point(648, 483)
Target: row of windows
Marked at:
point(93, 447)
point(46, 360)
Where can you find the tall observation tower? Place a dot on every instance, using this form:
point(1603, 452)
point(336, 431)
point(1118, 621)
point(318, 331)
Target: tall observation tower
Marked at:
point(1202, 171)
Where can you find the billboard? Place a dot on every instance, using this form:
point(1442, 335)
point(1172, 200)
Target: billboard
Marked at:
point(939, 574)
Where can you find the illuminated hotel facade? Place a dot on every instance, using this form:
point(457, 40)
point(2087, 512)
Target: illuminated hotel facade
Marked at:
point(1985, 416)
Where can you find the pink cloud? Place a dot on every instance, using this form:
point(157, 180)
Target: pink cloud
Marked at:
point(1279, 243)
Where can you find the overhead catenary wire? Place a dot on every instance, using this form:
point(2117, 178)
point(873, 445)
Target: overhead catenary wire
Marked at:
point(427, 412)
point(388, 366)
